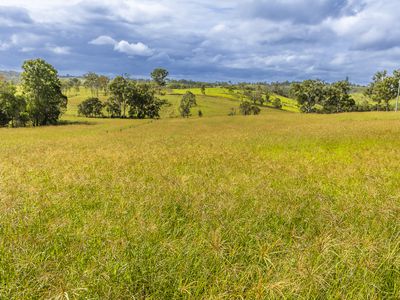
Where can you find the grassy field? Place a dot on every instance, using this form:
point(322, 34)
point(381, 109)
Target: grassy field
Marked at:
point(216, 102)
point(279, 205)
point(223, 93)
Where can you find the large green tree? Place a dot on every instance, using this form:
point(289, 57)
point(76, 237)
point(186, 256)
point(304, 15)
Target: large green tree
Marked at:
point(121, 90)
point(137, 100)
point(41, 88)
point(384, 88)
point(308, 94)
point(337, 97)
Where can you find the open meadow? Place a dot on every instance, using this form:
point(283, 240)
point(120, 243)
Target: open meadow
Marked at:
point(280, 205)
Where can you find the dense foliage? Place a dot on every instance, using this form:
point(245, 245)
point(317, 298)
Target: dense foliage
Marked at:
point(91, 107)
point(41, 88)
point(131, 99)
point(248, 108)
point(319, 96)
point(40, 100)
point(384, 88)
point(12, 106)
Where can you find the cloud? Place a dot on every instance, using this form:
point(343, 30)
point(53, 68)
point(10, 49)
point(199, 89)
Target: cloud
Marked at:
point(139, 49)
point(133, 49)
point(59, 50)
point(209, 40)
point(14, 16)
point(4, 46)
point(103, 40)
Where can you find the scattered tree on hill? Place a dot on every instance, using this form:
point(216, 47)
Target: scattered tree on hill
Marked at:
point(41, 88)
point(383, 88)
point(76, 84)
point(159, 76)
point(103, 82)
point(91, 107)
point(308, 94)
point(249, 108)
point(12, 107)
point(137, 100)
point(144, 103)
point(91, 81)
point(203, 89)
point(187, 102)
point(121, 90)
point(200, 113)
point(277, 103)
point(337, 98)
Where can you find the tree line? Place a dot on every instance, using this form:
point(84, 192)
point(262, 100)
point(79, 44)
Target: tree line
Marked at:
point(127, 99)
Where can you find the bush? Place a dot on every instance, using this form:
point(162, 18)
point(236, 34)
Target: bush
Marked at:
point(248, 108)
point(91, 108)
point(232, 112)
point(277, 103)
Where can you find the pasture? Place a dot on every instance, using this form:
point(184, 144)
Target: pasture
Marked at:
point(279, 205)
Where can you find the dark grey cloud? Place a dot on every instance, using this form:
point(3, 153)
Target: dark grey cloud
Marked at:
point(14, 16)
point(208, 40)
point(299, 11)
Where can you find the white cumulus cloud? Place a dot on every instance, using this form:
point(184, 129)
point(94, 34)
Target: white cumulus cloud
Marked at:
point(134, 49)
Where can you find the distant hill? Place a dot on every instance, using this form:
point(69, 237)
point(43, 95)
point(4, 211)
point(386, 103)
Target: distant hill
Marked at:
point(10, 75)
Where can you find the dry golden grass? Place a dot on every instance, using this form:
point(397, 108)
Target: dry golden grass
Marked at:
point(279, 205)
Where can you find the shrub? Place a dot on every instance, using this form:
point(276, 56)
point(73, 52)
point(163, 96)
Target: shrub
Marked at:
point(91, 107)
point(277, 103)
point(248, 108)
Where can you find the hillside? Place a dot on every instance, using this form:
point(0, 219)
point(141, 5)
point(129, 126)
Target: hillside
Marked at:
point(216, 102)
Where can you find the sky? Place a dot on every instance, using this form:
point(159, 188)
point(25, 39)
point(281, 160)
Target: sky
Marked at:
point(209, 40)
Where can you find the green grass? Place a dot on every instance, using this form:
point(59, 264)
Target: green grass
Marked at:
point(210, 105)
point(273, 206)
point(223, 93)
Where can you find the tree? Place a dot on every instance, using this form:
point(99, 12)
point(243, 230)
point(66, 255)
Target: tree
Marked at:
point(138, 100)
point(144, 103)
point(12, 107)
point(277, 103)
point(159, 76)
point(41, 88)
point(75, 83)
point(91, 81)
point(121, 90)
point(308, 94)
point(91, 107)
point(187, 102)
point(383, 88)
point(103, 82)
point(203, 89)
point(248, 108)
point(113, 108)
point(337, 97)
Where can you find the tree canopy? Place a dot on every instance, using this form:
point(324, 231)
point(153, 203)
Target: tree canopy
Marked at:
point(41, 88)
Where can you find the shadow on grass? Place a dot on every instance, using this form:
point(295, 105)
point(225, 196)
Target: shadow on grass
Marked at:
point(69, 122)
